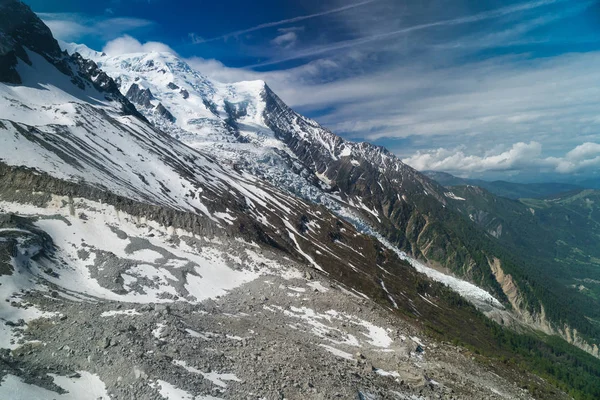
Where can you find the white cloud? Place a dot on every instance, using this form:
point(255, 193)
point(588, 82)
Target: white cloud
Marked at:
point(521, 156)
point(127, 44)
point(73, 27)
point(584, 151)
point(583, 157)
point(218, 71)
point(293, 85)
point(286, 40)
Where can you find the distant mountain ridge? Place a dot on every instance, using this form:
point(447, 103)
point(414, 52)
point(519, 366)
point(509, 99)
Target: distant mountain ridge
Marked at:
point(511, 190)
point(557, 237)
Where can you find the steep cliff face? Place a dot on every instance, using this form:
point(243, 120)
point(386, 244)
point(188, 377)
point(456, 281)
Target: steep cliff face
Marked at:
point(527, 314)
point(537, 319)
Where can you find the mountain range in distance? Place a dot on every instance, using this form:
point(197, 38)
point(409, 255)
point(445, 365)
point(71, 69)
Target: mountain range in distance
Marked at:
point(514, 190)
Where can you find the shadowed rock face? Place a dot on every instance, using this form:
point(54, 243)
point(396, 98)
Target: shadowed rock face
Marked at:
point(20, 28)
point(139, 96)
point(88, 72)
point(164, 113)
point(8, 74)
point(20, 233)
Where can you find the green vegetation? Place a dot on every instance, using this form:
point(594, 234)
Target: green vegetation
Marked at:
point(536, 242)
point(549, 246)
point(568, 368)
point(564, 366)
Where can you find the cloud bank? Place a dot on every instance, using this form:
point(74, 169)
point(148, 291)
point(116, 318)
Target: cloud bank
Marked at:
point(583, 158)
point(127, 44)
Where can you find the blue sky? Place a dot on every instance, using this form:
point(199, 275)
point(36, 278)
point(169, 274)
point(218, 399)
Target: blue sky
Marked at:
point(482, 88)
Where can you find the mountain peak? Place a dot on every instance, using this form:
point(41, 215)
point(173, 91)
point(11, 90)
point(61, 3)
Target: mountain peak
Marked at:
point(82, 49)
point(256, 87)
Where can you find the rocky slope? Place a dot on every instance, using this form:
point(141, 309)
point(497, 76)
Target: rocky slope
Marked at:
point(251, 322)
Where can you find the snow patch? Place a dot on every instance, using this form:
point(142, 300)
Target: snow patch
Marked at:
point(87, 387)
point(120, 312)
point(337, 352)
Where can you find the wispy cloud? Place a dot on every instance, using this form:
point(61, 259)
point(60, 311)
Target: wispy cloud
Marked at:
point(195, 38)
point(341, 45)
point(70, 27)
point(291, 29)
point(288, 21)
point(511, 36)
point(285, 40)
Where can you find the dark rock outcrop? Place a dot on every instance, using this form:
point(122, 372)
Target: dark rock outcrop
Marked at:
point(21, 28)
point(163, 112)
point(88, 72)
point(139, 96)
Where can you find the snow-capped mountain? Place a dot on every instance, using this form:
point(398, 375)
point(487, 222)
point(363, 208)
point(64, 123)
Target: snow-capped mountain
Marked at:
point(247, 125)
point(105, 217)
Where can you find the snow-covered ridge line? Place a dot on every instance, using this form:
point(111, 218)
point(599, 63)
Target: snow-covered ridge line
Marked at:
point(78, 136)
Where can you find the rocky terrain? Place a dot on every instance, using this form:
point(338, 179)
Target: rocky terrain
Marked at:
point(278, 330)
